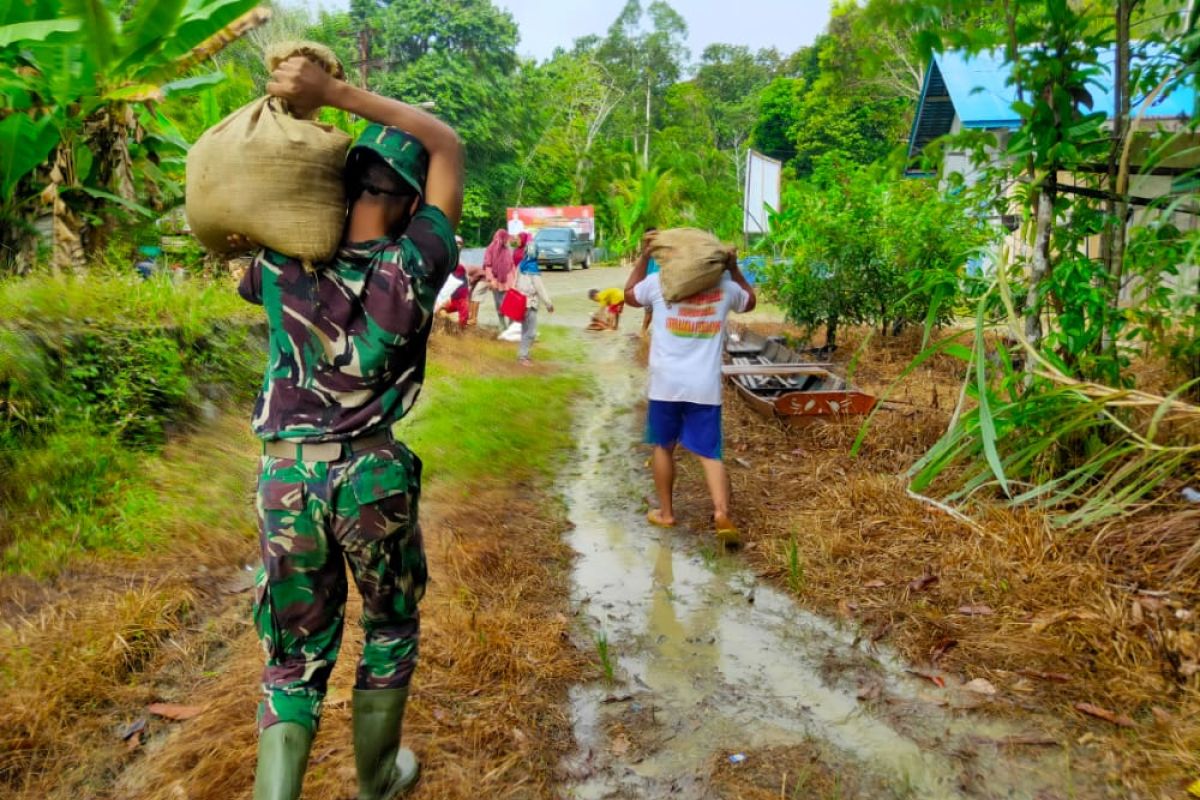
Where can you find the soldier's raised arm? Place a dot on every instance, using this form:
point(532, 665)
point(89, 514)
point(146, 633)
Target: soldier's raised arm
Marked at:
point(306, 85)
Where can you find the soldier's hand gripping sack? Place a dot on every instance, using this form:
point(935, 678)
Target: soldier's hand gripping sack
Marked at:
point(690, 261)
point(270, 177)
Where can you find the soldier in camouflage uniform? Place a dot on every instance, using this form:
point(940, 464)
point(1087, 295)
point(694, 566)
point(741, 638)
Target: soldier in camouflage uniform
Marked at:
point(346, 361)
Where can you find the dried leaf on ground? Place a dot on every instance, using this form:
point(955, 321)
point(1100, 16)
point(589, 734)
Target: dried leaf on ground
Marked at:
point(1162, 716)
point(976, 611)
point(620, 745)
point(1042, 623)
point(174, 711)
point(931, 676)
point(980, 686)
point(922, 583)
point(1104, 714)
point(874, 585)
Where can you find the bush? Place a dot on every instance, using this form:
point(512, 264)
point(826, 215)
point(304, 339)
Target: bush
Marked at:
point(862, 248)
point(130, 357)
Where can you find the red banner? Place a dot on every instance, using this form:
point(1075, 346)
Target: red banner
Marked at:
point(532, 220)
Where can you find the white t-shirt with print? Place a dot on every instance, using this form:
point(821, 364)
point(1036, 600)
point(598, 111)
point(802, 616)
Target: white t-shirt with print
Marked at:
point(687, 339)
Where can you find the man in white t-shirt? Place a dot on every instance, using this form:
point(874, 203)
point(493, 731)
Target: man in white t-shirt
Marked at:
point(686, 342)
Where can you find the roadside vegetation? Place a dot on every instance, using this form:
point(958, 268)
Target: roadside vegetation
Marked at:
point(1021, 509)
point(94, 376)
point(84, 660)
point(1051, 617)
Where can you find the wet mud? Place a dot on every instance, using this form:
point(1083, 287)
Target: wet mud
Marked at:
point(714, 671)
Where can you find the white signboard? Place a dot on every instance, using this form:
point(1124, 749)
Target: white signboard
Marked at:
point(762, 192)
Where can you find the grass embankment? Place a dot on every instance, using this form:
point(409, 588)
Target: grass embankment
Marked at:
point(95, 374)
point(487, 715)
point(1052, 618)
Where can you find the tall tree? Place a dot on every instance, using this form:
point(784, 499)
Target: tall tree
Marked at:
point(646, 57)
point(731, 80)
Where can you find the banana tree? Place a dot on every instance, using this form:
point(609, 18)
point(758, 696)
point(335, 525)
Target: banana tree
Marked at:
point(80, 131)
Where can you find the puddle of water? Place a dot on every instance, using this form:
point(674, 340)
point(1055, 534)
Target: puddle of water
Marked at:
point(708, 660)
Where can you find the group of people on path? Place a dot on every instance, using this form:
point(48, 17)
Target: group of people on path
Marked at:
point(510, 274)
point(504, 274)
point(347, 352)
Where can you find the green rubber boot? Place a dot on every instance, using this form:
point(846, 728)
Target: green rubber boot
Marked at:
point(385, 769)
point(282, 759)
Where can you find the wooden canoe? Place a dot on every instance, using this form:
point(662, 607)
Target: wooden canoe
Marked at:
point(780, 383)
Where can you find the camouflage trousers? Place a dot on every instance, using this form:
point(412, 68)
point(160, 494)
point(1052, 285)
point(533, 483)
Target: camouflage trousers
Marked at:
point(314, 518)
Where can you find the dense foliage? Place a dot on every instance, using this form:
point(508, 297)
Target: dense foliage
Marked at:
point(627, 121)
point(83, 143)
point(1096, 273)
point(866, 249)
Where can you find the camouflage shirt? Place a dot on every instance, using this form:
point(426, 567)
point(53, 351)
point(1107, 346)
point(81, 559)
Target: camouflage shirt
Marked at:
point(347, 342)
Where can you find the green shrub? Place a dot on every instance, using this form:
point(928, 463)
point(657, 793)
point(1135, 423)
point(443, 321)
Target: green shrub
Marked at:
point(93, 374)
point(73, 469)
point(129, 356)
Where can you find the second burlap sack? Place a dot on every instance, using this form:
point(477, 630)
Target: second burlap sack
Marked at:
point(270, 177)
point(690, 261)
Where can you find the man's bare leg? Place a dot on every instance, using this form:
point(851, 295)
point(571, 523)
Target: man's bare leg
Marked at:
point(664, 482)
point(718, 488)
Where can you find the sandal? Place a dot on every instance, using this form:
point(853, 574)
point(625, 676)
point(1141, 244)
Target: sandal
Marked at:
point(654, 519)
point(728, 534)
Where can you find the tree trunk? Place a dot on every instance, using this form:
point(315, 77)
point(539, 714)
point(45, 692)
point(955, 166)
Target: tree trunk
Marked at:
point(1121, 130)
point(1039, 268)
point(831, 326)
point(646, 151)
point(1116, 209)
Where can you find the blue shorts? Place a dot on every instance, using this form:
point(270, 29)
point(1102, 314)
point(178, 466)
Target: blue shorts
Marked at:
point(697, 427)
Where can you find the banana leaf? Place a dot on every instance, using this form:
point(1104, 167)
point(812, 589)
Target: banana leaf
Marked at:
point(24, 144)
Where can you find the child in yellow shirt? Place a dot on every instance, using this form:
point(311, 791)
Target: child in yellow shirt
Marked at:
point(612, 302)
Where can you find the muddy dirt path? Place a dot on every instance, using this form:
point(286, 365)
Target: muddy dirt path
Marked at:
point(709, 662)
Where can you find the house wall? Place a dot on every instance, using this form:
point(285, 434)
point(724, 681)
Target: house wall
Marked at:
point(1017, 243)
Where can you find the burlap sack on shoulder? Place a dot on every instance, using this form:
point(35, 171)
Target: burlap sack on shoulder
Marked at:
point(690, 261)
point(270, 177)
point(315, 51)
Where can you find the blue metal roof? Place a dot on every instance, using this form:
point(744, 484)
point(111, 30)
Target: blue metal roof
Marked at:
point(978, 90)
point(975, 88)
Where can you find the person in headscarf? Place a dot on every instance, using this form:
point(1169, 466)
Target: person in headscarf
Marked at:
point(530, 283)
point(458, 304)
point(522, 244)
point(499, 272)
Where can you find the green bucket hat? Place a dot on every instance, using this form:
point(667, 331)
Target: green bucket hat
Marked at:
point(399, 150)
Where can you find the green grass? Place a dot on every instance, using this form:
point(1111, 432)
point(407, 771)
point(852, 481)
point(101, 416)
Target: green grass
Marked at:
point(606, 662)
point(83, 492)
point(85, 495)
point(512, 426)
point(795, 567)
point(112, 300)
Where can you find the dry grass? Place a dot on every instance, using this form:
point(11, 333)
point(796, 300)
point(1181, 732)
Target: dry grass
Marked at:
point(487, 716)
point(82, 657)
point(1108, 617)
point(74, 651)
point(804, 771)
